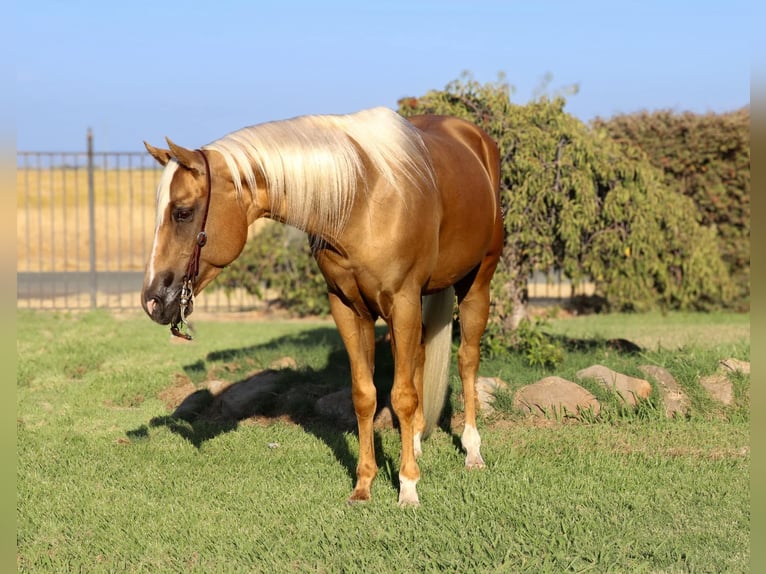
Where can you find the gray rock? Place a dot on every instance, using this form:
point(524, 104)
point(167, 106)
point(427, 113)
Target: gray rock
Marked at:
point(284, 363)
point(736, 366)
point(629, 389)
point(673, 397)
point(385, 419)
point(337, 408)
point(486, 387)
point(719, 387)
point(193, 405)
point(554, 395)
point(240, 400)
point(216, 386)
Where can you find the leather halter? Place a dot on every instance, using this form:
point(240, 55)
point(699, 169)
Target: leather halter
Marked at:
point(192, 269)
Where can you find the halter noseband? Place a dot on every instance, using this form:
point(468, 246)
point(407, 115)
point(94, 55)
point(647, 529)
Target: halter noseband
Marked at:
point(192, 269)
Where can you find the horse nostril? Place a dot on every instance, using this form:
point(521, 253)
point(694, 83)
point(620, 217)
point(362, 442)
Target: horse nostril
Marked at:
point(151, 304)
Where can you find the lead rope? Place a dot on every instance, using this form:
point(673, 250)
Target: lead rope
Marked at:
point(192, 270)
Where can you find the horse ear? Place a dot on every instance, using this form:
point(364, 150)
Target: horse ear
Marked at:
point(188, 158)
point(161, 155)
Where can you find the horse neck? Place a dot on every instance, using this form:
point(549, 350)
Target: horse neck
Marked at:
point(264, 197)
point(258, 203)
point(312, 227)
point(264, 204)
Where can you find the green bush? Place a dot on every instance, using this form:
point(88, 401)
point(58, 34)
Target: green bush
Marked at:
point(706, 158)
point(577, 202)
point(528, 339)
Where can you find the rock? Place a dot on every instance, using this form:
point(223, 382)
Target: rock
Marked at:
point(337, 408)
point(385, 419)
point(736, 366)
point(629, 389)
point(241, 400)
point(555, 395)
point(623, 346)
point(193, 405)
point(673, 397)
point(719, 387)
point(486, 387)
point(284, 363)
point(216, 387)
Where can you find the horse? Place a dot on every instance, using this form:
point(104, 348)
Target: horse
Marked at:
point(403, 216)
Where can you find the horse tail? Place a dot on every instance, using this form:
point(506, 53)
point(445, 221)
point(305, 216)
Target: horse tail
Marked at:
point(437, 319)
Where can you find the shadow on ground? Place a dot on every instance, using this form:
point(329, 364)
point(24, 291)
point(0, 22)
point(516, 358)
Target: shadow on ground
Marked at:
point(289, 394)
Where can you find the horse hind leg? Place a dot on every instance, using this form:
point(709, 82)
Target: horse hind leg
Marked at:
point(473, 305)
point(473, 320)
point(419, 421)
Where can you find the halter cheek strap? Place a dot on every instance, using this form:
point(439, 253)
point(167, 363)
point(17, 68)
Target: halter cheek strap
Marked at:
point(192, 269)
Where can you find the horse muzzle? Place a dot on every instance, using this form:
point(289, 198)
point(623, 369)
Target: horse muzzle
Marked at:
point(163, 305)
point(162, 311)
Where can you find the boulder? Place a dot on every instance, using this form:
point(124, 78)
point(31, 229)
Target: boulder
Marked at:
point(554, 395)
point(486, 387)
point(337, 409)
point(284, 363)
point(193, 405)
point(217, 386)
point(385, 419)
point(736, 366)
point(673, 397)
point(719, 387)
point(629, 389)
point(240, 400)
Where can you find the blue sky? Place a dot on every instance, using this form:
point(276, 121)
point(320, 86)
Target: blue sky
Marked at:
point(197, 70)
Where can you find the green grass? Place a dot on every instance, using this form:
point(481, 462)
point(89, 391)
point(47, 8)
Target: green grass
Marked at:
point(108, 482)
point(657, 330)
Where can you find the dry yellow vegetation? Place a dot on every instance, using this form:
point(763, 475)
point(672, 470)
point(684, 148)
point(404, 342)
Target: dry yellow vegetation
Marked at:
point(53, 224)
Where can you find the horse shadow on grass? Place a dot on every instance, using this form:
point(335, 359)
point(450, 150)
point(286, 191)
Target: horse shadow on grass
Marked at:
point(291, 394)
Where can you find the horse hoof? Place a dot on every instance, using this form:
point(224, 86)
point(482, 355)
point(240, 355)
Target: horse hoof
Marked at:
point(408, 495)
point(475, 463)
point(358, 498)
point(409, 503)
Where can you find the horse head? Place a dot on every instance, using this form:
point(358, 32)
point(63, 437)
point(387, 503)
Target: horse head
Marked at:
point(201, 227)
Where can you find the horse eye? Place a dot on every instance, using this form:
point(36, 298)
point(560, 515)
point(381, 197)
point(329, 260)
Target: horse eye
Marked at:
point(182, 215)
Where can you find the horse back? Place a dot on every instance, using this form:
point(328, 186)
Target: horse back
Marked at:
point(449, 137)
point(467, 168)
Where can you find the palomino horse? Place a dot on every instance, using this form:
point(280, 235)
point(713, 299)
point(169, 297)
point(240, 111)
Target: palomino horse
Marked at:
point(401, 214)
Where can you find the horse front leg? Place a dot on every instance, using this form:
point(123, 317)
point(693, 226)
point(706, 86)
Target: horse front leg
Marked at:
point(358, 334)
point(406, 345)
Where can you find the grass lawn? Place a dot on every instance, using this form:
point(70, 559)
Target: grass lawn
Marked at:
point(657, 330)
point(107, 481)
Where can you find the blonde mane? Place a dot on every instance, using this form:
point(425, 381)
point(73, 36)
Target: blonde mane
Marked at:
point(317, 164)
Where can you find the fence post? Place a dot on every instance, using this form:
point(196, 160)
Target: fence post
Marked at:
point(92, 221)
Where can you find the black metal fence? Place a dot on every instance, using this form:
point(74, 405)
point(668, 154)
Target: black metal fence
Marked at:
point(85, 222)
